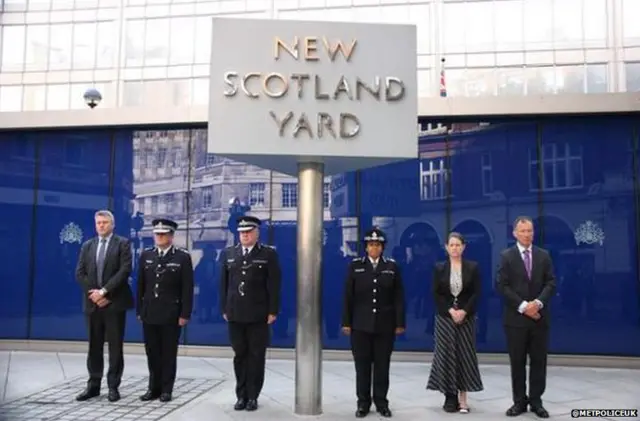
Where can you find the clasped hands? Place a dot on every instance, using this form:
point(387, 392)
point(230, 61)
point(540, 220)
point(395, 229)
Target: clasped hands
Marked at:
point(457, 315)
point(347, 330)
point(271, 318)
point(531, 310)
point(98, 299)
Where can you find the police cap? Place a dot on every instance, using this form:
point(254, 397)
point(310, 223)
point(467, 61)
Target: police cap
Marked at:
point(247, 223)
point(375, 234)
point(164, 226)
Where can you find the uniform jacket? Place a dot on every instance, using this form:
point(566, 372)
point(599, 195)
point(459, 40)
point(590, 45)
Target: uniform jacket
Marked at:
point(115, 275)
point(165, 286)
point(374, 298)
point(250, 286)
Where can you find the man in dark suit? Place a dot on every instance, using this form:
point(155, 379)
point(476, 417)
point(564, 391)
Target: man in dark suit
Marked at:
point(164, 305)
point(527, 282)
point(373, 314)
point(103, 270)
point(250, 301)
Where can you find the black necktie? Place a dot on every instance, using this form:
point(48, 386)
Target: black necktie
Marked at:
point(246, 252)
point(102, 249)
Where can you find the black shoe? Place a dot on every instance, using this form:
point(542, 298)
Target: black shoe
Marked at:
point(252, 405)
point(539, 411)
point(165, 397)
point(114, 395)
point(88, 393)
point(150, 395)
point(385, 412)
point(240, 405)
point(516, 409)
point(451, 403)
point(362, 412)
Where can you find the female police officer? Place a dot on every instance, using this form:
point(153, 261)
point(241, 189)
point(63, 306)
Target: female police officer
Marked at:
point(374, 312)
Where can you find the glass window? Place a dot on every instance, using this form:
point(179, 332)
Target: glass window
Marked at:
point(538, 25)
point(13, 44)
point(594, 15)
point(570, 79)
point(455, 82)
point(630, 27)
point(203, 35)
point(58, 97)
point(84, 45)
point(510, 81)
point(105, 45)
point(453, 27)
point(10, 98)
point(508, 30)
point(597, 79)
point(201, 91)
point(37, 47)
point(182, 41)
point(419, 15)
point(424, 83)
point(478, 26)
point(480, 82)
point(34, 98)
point(77, 95)
point(156, 52)
point(567, 19)
point(39, 4)
point(60, 47)
point(632, 71)
point(13, 5)
point(132, 93)
point(394, 14)
point(134, 49)
point(86, 4)
point(540, 80)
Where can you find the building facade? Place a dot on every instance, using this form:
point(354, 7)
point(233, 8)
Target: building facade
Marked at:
point(577, 176)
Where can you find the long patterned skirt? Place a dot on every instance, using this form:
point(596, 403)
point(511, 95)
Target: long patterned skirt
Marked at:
point(455, 363)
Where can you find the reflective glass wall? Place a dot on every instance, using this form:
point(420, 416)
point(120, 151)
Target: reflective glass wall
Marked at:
point(577, 177)
point(141, 52)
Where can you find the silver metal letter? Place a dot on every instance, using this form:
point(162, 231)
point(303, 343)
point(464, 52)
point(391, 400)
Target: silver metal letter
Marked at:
point(319, 95)
point(374, 90)
point(300, 78)
point(303, 124)
point(266, 89)
point(308, 395)
point(347, 133)
point(387, 89)
point(342, 87)
point(325, 121)
point(233, 89)
point(281, 123)
point(243, 84)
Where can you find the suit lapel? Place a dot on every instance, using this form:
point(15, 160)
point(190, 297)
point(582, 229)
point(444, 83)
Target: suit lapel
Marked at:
point(446, 272)
point(466, 274)
point(111, 248)
point(520, 261)
point(93, 250)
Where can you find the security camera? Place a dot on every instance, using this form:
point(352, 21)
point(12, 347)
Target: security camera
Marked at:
point(92, 97)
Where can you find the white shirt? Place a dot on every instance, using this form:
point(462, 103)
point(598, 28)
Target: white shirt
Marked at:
point(164, 252)
point(374, 262)
point(522, 249)
point(247, 250)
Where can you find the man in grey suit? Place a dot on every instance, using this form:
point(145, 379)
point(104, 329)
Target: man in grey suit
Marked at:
point(527, 282)
point(103, 270)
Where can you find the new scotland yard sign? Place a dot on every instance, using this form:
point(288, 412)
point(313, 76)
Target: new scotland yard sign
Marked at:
point(283, 92)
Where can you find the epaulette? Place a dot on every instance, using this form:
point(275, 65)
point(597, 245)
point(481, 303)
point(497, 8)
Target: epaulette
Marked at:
point(150, 248)
point(182, 249)
point(389, 259)
point(359, 259)
point(268, 246)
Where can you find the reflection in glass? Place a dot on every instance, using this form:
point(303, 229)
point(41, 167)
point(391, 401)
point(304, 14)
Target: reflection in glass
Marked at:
point(538, 25)
point(630, 27)
point(34, 98)
point(13, 48)
point(594, 15)
point(60, 47)
point(84, 45)
point(37, 47)
point(508, 26)
point(632, 70)
point(570, 79)
point(156, 52)
point(203, 35)
point(567, 23)
point(511, 81)
point(57, 97)
point(10, 98)
point(134, 46)
point(540, 80)
point(105, 46)
point(132, 93)
point(597, 78)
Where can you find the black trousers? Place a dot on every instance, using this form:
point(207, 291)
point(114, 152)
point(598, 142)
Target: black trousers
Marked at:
point(533, 342)
point(249, 342)
point(372, 351)
point(161, 347)
point(110, 325)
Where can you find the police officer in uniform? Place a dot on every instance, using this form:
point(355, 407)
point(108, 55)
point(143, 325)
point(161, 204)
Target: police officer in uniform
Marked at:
point(164, 305)
point(374, 313)
point(249, 300)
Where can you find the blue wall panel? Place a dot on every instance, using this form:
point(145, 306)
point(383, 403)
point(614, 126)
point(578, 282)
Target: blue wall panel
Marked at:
point(574, 176)
point(74, 183)
point(17, 169)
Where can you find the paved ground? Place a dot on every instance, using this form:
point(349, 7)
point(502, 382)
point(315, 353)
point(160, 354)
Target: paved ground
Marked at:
point(41, 386)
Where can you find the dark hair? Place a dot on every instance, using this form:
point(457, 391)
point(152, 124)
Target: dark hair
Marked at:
point(521, 219)
point(455, 235)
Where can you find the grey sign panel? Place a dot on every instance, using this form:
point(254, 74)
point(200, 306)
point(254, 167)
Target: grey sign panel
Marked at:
point(284, 92)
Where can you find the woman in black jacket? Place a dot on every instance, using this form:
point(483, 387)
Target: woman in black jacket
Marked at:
point(456, 289)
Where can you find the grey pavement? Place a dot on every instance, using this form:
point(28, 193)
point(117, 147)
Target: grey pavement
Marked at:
point(42, 386)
